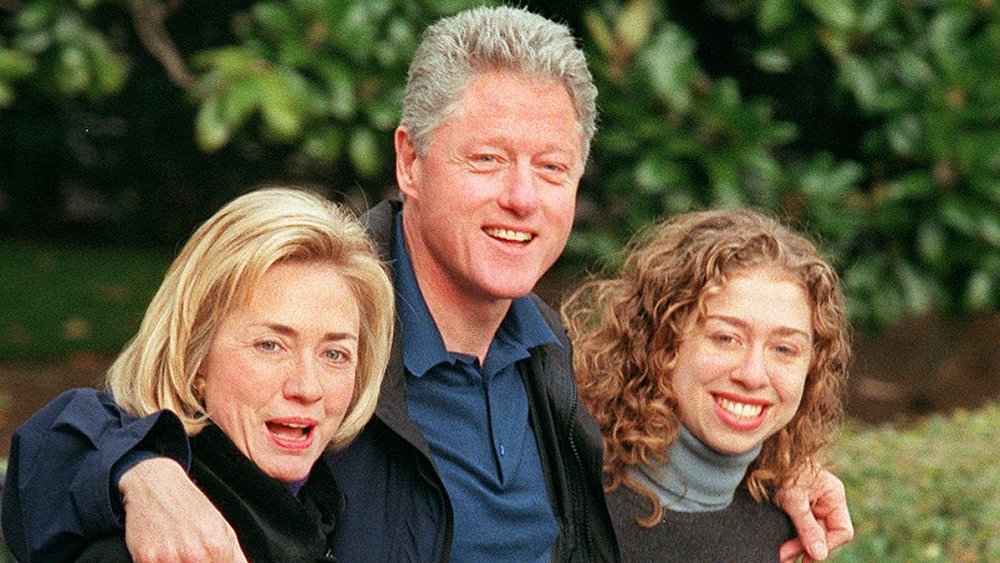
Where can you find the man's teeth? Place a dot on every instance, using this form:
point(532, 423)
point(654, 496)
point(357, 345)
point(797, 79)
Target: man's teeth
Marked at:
point(740, 410)
point(507, 234)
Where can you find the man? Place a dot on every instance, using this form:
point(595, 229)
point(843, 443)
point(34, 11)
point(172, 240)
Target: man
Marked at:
point(479, 450)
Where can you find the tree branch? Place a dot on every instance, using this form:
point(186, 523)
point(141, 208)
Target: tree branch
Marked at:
point(149, 17)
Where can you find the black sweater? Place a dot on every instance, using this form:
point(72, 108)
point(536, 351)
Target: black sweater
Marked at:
point(745, 531)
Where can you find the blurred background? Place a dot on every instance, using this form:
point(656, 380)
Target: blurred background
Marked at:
point(873, 126)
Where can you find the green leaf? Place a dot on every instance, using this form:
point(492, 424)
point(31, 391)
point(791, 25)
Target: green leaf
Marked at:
point(905, 134)
point(283, 116)
point(858, 75)
point(773, 15)
point(917, 290)
point(836, 13)
point(875, 15)
point(981, 292)
point(108, 69)
point(960, 215)
point(37, 14)
point(238, 102)
point(73, 73)
point(670, 68)
point(340, 88)
point(598, 32)
point(772, 59)
point(364, 153)
point(6, 94)
point(324, 144)
point(932, 244)
point(15, 64)
point(211, 131)
point(635, 20)
point(279, 19)
point(917, 185)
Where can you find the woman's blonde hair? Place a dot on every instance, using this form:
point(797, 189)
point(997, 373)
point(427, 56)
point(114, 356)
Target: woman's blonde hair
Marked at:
point(218, 269)
point(626, 331)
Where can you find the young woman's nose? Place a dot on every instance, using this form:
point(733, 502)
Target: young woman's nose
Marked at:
point(752, 370)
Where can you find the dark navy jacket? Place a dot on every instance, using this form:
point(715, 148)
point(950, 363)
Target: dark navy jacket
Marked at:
point(396, 507)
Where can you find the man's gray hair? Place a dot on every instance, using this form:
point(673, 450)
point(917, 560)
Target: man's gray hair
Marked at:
point(457, 49)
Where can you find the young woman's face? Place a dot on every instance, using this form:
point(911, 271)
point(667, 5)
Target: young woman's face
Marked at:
point(739, 375)
point(279, 374)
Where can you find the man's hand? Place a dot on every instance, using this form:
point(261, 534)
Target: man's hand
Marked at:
point(817, 505)
point(168, 519)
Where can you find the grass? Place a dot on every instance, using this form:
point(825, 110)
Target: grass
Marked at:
point(57, 300)
point(927, 492)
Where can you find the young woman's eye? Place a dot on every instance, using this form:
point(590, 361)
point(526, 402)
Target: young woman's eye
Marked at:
point(724, 338)
point(786, 350)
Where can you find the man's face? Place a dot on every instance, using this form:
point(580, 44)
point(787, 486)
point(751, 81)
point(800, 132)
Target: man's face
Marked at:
point(490, 206)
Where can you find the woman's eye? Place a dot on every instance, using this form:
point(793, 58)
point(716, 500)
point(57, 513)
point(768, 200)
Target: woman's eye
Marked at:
point(724, 338)
point(337, 356)
point(267, 345)
point(786, 350)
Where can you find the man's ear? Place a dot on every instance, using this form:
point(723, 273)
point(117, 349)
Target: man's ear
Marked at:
point(407, 167)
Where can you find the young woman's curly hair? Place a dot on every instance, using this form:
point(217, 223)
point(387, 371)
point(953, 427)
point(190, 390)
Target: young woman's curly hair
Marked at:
point(626, 330)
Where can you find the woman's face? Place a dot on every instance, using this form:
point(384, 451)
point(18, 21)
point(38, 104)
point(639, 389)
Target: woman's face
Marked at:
point(739, 376)
point(279, 374)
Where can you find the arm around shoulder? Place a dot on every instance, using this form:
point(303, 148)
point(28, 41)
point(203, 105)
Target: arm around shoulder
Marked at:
point(59, 491)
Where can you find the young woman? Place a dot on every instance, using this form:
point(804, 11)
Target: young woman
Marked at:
point(714, 363)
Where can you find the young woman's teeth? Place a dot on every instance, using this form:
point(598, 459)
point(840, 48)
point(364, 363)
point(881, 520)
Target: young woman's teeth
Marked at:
point(739, 410)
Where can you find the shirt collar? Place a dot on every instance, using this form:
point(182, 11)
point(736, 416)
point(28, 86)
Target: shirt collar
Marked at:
point(522, 329)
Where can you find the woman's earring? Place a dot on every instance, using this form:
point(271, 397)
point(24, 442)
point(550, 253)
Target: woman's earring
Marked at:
point(198, 387)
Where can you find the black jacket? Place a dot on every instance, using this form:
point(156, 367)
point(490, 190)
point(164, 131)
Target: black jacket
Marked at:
point(395, 496)
point(271, 524)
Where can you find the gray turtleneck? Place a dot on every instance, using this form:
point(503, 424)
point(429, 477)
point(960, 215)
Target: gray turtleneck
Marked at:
point(696, 478)
point(708, 516)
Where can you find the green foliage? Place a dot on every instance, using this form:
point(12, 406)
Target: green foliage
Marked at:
point(874, 126)
point(328, 75)
point(59, 299)
point(67, 53)
point(910, 212)
point(926, 493)
point(14, 65)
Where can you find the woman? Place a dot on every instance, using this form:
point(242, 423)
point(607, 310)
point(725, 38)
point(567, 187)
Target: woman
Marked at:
point(714, 363)
point(267, 340)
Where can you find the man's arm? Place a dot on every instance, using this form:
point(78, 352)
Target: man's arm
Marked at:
point(60, 491)
point(167, 518)
point(817, 506)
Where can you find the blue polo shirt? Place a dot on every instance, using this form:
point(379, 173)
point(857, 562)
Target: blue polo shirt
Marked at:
point(475, 419)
